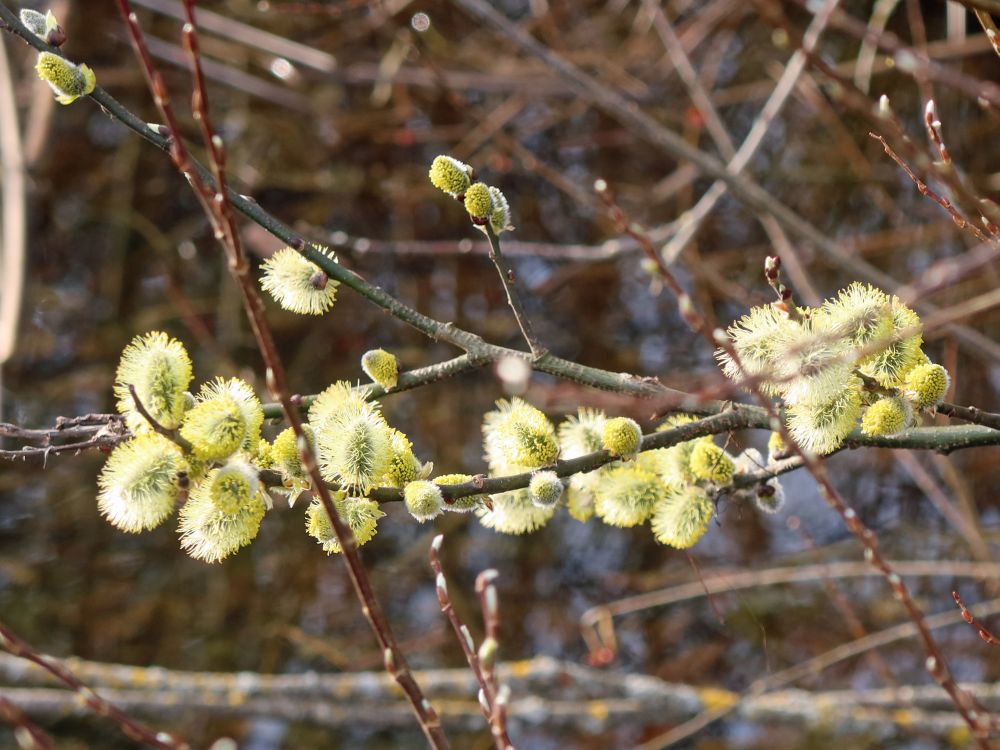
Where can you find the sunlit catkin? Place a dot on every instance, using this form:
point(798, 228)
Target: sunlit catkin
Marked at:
point(423, 500)
point(381, 367)
point(67, 80)
point(926, 385)
point(545, 488)
point(159, 369)
point(298, 284)
point(360, 514)
point(682, 518)
point(222, 514)
point(621, 437)
point(139, 483)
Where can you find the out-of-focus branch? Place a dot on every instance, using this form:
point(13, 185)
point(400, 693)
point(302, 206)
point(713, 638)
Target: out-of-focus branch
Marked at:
point(82, 694)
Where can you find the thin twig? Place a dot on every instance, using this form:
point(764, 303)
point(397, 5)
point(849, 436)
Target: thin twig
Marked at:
point(218, 209)
point(487, 695)
point(27, 734)
point(509, 282)
point(131, 728)
point(985, 634)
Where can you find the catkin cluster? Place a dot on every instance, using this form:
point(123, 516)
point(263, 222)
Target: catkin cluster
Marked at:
point(671, 488)
point(67, 80)
point(856, 357)
point(205, 453)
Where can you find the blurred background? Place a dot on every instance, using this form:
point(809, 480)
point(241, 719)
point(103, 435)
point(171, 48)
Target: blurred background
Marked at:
point(332, 113)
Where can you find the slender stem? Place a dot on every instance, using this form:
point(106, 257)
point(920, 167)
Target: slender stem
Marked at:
point(509, 282)
point(131, 728)
point(488, 692)
point(218, 209)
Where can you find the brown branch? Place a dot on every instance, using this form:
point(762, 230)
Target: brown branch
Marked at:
point(487, 690)
point(28, 735)
point(218, 209)
point(985, 634)
point(131, 728)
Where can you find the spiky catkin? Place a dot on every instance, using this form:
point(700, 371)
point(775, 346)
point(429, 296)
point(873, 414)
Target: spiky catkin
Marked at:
point(860, 313)
point(360, 514)
point(354, 448)
point(820, 425)
point(755, 337)
point(890, 365)
point(683, 517)
point(139, 483)
point(243, 395)
point(627, 495)
point(711, 463)
point(287, 456)
point(580, 433)
point(159, 369)
point(514, 513)
point(518, 437)
point(298, 284)
point(215, 428)
point(339, 401)
point(222, 514)
point(403, 465)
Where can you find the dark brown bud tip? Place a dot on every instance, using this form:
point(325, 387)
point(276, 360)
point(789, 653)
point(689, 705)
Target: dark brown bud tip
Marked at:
point(318, 280)
point(56, 37)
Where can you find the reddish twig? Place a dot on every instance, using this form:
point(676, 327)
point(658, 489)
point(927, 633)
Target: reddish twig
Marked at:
point(986, 635)
point(487, 654)
point(487, 690)
point(960, 221)
point(131, 728)
point(27, 734)
point(218, 209)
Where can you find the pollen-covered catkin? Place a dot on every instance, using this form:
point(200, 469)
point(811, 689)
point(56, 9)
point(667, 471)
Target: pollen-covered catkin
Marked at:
point(450, 175)
point(545, 488)
point(926, 385)
point(381, 367)
point(479, 202)
point(423, 499)
point(67, 80)
point(621, 437)
point(298, 284)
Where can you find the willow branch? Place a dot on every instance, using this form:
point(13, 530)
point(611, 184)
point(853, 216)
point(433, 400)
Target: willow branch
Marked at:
point(218, 210)
point(131, 728)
